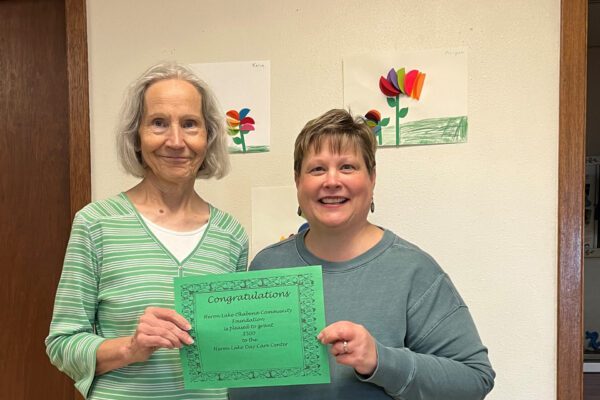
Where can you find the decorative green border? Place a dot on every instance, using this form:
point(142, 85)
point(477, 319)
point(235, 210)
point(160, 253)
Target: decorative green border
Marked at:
point(310, 346)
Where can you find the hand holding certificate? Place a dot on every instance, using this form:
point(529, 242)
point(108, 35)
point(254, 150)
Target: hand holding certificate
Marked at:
point(253, 328)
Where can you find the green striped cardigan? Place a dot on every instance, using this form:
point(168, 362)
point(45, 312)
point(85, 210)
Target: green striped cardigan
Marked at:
point(114, 268)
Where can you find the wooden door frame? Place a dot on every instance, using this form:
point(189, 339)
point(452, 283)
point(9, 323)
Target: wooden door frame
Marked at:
point(571, 181)
point(79, 120)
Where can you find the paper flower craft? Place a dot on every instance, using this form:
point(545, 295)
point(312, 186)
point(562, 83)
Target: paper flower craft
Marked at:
point(399, 83)
point(238, 123)
point(374, 121)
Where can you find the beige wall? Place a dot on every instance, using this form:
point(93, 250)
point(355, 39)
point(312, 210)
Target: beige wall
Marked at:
point(485, 209)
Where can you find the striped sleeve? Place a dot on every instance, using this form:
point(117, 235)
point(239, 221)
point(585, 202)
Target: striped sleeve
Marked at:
point(71, 344)
point(234, 234)
point(241, 237)
point(242, 262)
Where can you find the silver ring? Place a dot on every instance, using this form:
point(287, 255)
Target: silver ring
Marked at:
point(345, 345)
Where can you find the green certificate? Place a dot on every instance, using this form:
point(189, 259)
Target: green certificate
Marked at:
point(254, 328)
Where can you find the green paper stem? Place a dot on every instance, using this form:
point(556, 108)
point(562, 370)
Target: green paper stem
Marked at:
point(242, 133)
point(398, 120)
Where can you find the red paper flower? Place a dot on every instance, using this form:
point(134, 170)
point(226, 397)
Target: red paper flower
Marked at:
point(238, 123)
point(374, 121)
point(398, 82)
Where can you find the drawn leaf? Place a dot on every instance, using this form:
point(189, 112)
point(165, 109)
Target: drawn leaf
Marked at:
point(384, 122)
point(237, 140)
point(403, 111)
point(391, 101)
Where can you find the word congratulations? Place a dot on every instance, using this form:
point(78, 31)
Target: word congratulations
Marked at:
point(247, 296)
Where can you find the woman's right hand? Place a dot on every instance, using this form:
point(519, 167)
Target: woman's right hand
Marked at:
point(157, 328)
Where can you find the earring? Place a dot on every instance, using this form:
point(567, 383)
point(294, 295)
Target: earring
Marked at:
point(372, 206)
point(299, 212)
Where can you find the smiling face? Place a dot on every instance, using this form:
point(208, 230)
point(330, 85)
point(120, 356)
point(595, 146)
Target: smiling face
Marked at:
point(335, 189)
point(172, 132)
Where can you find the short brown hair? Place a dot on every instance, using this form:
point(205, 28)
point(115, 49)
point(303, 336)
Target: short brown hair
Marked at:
point(342, 130)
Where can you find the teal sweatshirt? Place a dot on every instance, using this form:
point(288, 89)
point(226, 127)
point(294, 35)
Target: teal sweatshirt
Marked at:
point(427, 344)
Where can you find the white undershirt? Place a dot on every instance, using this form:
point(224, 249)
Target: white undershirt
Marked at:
point(180, 244)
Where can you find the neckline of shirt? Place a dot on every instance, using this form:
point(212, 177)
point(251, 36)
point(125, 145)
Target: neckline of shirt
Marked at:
point(342, 266)
point(172, 232)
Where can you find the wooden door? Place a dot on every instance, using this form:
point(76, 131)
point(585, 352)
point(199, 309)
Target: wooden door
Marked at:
point(45, 177)
point(571, 176)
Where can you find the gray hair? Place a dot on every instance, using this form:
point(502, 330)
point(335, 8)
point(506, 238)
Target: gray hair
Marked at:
point(216, 162)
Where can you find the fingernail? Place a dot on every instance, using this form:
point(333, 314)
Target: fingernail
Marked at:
point(319, 336)
point(188, 327)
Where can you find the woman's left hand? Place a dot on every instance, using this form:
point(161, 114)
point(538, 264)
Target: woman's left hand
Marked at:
point(352, 345)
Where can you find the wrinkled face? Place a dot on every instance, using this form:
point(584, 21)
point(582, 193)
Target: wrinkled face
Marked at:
point(172, 132)
point(335, 190)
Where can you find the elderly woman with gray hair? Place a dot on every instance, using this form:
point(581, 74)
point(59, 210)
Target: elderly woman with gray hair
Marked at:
point(114, 330)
